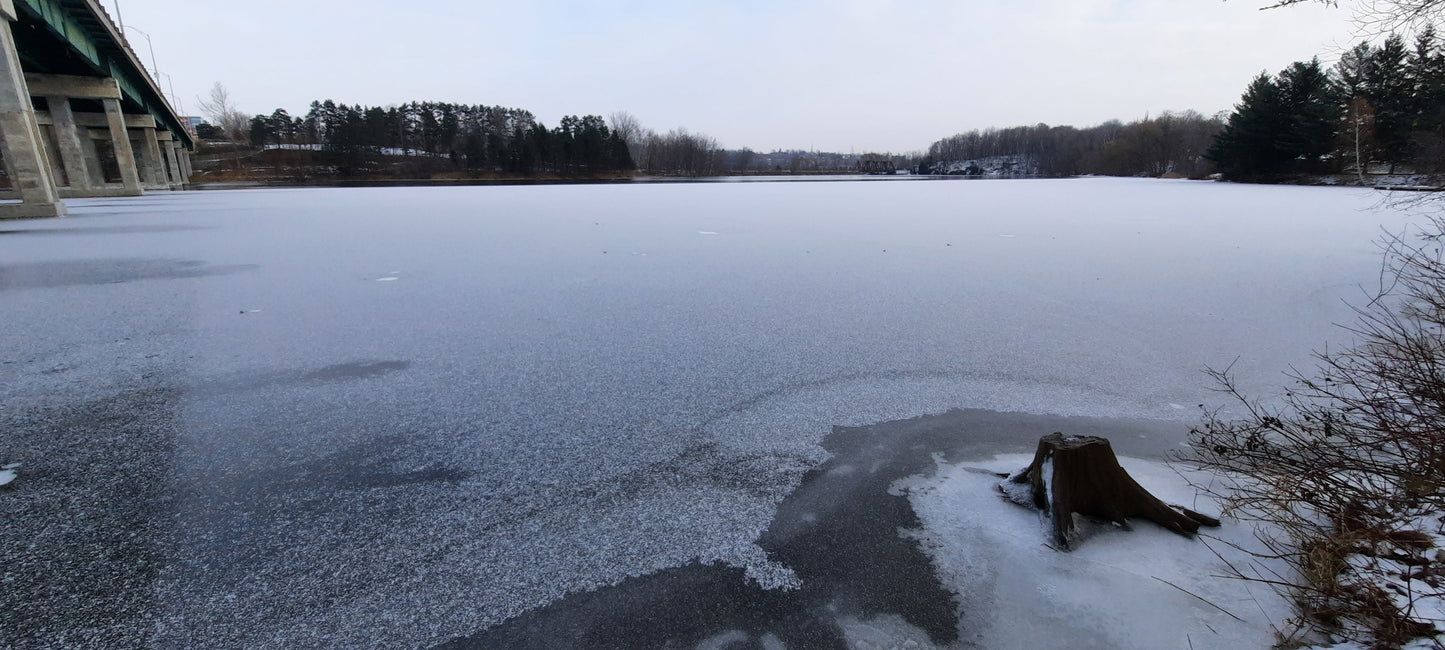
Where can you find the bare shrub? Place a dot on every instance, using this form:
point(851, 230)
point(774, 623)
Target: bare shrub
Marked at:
point(1344, 469)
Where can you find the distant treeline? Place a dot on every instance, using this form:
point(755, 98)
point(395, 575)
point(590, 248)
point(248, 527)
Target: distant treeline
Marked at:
point(1379, 106)
point(1170, 143)
point(797, 161)
point(472, 138)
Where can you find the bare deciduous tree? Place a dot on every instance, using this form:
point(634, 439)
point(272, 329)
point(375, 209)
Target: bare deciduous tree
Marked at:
point(224, 115)
point(629, 128)
point(1385, 16)
point(1360, 130)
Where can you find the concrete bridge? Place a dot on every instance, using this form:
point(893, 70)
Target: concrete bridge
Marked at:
point(79, 114)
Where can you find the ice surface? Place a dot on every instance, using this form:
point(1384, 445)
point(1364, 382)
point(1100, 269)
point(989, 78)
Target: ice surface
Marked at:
point(1110, 592)
point(528, 416)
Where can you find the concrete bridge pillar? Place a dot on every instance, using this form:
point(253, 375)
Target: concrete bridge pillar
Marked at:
point(67, 136)
point(113, 126)
point(185, 166)
point(154, 163)
point(91, 155)
point(20, 143)
point(169, 145)
point(124, 155)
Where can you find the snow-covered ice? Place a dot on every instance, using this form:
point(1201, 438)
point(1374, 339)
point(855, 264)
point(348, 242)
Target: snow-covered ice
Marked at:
point(1146, 588)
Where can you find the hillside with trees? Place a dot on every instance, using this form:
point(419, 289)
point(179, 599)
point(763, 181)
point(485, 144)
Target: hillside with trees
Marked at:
point(1169, 144)
point(421, 140)
point(441, 137)
point(1381, 108)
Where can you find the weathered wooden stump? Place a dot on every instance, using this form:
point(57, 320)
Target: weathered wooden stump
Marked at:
point(1080, 474)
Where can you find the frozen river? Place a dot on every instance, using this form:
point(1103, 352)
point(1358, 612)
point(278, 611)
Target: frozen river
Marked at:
point(401, 416)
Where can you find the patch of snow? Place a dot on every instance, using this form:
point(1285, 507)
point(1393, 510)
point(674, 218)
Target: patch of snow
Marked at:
point(388, 278)
point(6, 476)
point(1405, 572)
point(1148, 588)
point(1046, 471)
point(724, 640)
point(706, 232)
point(885, 632)
point(739, 638)
point(1020, 493)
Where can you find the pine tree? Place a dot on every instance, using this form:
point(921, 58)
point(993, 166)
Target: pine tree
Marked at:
point(1426, 71)
point(1357, 129)
point(1387, 85)
point(1249, 146)
point(1313, 109)
point(1351, 70)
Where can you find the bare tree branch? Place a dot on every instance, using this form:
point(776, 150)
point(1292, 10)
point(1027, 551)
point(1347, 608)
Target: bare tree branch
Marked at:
point(224, 115)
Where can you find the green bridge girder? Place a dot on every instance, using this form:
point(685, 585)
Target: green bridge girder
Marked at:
point(87, 33)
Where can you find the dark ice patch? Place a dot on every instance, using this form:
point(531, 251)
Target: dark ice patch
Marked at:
point(355, 370)
point(84, 529)
point(46, 275)
point(673, 608)
point(351, 370)
point(100, 230)
point(839, 531)
point(370, 465)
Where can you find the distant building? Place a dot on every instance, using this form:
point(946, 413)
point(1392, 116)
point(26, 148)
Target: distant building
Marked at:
point(872, 163)
point(191, 121)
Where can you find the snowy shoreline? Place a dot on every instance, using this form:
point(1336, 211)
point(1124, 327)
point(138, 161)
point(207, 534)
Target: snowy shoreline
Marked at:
point(1145, 588)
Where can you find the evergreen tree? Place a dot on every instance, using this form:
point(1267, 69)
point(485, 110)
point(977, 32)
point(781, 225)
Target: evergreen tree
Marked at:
point(1313, 107)
point(1426, 70)
point(1282, 125)
point(261, 133)
point(477, 138)
point(1351, 70)
point(1249, 146)
point(1387, 85)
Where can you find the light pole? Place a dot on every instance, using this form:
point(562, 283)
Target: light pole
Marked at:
point(171, 83)
point(149, 46)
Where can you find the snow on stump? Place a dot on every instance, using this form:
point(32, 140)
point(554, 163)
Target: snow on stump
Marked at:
point(1080, 474)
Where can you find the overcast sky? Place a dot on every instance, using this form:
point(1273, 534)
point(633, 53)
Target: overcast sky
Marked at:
point(828, 74)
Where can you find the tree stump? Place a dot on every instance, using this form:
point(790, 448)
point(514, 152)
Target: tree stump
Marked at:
point(1080, 474)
